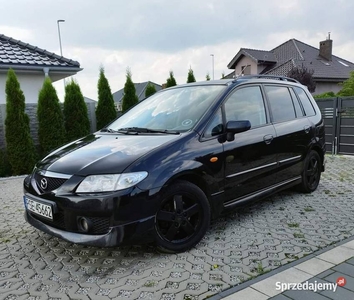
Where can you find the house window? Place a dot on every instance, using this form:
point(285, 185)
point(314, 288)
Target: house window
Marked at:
point(246, 70)
point(343, 63)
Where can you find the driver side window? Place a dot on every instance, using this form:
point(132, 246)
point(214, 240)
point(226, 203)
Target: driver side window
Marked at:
point(246, 104)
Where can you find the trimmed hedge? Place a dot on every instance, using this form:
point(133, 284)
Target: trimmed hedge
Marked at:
point(105, 111)
point(51, 131)
point(21, 152)
point(77, 123)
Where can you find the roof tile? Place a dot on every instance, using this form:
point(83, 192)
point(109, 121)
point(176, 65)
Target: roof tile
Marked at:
point(15, 52)
point(292, 53)
point(305, 55)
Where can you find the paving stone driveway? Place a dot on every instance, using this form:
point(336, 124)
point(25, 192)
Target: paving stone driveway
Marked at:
point(239, 246)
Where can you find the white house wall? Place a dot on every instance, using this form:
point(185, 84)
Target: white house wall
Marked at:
point(245, 61)
point(30, 85)
point(323, 87)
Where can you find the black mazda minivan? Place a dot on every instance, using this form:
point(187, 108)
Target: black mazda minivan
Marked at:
point(176, 160)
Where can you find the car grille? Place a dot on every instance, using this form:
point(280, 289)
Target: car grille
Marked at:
point(51, 182)
point(100, 225)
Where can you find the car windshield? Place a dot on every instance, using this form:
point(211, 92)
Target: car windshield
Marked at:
point(177, 109)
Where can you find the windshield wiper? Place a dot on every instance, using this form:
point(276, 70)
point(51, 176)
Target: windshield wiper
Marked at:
point(110, 130)
point(145, 130)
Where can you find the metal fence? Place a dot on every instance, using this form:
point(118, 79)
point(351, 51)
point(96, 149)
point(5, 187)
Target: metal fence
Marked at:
point(338, 114)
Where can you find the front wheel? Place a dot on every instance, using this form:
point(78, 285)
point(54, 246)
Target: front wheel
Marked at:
point(182, 218)
point(311, 174)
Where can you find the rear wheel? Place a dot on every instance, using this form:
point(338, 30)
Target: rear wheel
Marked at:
point(312, 173)
point(183, 217)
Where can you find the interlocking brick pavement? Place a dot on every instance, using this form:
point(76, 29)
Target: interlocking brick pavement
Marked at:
point(243, 244)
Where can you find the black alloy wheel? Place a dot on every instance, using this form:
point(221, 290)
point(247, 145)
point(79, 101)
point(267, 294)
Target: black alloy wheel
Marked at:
point(312, 173)
point(183, 217)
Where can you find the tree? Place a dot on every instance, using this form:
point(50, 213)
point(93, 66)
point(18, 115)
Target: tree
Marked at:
point(130, 98)
point(77, 123)
point(171, 81)
point(304, 76)
point(190, 77)
point(348, 86)
point(207, 77)
point(51, 130)
point(20, 151)
point(150, 90)
point(5, 167)
point(106, 110)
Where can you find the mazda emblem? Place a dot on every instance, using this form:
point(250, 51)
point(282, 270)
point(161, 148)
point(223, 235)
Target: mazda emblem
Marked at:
point(44, 183)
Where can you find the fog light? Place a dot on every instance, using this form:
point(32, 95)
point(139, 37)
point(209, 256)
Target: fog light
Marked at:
point(84, 224)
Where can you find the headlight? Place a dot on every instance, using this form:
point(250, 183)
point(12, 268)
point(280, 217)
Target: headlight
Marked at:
point(110, 182)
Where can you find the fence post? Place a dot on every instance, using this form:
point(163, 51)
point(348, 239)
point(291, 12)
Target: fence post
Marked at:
point(91, 108)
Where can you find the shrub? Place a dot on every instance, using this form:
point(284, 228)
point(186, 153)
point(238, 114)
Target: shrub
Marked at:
point(105, 111)
point(21, 152)
point(171, 81)
point(348, 86)
point(77, 123)
point(130, 98)
point(5, 167)
point(304, 76)
point(190, 77)
point(150, 90)
point(325, 95)
point(51, 130)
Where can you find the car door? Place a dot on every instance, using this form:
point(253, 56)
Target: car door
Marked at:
point(293, 131)
point(250, 159)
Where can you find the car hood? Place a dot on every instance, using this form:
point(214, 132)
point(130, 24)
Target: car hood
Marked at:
point(101, 153)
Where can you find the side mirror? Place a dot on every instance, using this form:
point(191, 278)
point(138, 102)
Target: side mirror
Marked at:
point(233, 127)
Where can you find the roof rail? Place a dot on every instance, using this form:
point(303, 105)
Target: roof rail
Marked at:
point(282, 78)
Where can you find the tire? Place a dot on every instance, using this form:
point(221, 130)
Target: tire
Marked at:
point(311, 174)
point(183, 217)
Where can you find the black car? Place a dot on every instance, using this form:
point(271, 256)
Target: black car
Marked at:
point(171, 163)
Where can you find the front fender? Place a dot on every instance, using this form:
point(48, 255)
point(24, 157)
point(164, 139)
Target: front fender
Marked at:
point(192, 171)
point(162, 175)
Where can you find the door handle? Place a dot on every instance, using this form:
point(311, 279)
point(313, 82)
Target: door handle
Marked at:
point(307, 128)
point(268, 138)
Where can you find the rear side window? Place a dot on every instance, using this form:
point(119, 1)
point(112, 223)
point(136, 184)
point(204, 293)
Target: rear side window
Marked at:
point(298, 109)
point(305, 101)
point(281, 104)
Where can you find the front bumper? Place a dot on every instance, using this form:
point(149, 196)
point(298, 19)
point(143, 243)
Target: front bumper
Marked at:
point(116, 218)
point(138, 231)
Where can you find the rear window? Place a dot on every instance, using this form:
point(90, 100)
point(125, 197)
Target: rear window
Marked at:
point(305, 101)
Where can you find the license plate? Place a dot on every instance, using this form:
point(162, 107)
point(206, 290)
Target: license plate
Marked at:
point(38, 208)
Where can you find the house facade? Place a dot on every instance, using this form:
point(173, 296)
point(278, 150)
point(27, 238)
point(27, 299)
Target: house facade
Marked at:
point(140, 89)
point(31, 65)
point(329, 70)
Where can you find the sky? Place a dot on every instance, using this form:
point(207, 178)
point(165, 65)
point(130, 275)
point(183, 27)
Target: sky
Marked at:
point(153, 37)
